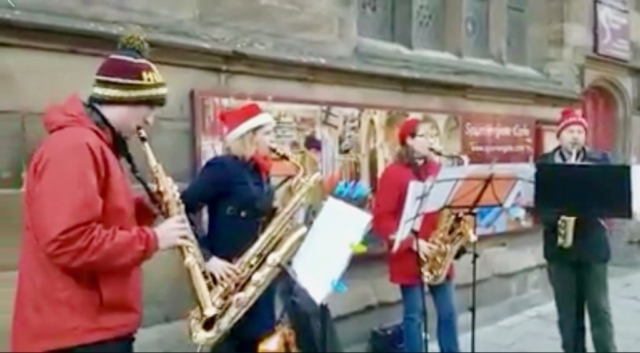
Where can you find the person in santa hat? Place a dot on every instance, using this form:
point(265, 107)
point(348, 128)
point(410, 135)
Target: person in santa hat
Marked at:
point(414, 161)
point(578, 272)
point(236, 190)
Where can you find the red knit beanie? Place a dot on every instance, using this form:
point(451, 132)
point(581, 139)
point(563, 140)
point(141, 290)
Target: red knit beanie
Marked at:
point(127, 77)
point(407, 128)
point(570, 117)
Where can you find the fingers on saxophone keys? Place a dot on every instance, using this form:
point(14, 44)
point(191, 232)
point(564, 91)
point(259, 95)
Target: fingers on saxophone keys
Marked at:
point(185, 242)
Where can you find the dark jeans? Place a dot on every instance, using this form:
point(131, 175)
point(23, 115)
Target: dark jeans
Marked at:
point(576, 286)
point(116, 345)
point(412, 320)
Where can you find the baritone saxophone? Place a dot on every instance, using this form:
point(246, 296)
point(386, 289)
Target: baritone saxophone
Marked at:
point(566, 224)
point(259, 265)
point(170, 204)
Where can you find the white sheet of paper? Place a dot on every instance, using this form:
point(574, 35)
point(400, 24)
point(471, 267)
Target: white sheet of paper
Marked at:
point(326, 251)
point(411, 208)
point(635, 191)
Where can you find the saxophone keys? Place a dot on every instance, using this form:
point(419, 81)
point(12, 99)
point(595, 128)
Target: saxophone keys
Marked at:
point(239, 300)
point(273, 260)
point(189, 262)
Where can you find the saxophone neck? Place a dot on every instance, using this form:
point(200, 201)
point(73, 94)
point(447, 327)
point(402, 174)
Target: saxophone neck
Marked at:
point(146, 149)
point(300, 170)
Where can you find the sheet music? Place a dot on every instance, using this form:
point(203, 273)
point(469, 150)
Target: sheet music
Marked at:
point(411, 207)
point(326, 251)
point(437, 193)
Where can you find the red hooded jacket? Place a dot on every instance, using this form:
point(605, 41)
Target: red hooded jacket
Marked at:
point(387, 209)
point(83, 244)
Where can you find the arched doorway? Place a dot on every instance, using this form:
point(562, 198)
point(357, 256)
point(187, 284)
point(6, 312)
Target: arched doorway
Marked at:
point(601, 109)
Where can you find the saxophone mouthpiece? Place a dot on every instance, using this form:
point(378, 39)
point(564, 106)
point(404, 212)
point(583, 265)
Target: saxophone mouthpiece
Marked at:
point(142, 135)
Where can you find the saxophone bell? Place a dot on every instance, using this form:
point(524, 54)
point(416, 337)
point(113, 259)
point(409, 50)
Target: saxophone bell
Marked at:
point(454, 231)
point(566, 228)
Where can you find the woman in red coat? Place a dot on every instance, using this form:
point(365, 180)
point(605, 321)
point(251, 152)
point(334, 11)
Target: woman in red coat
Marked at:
point(414, 162)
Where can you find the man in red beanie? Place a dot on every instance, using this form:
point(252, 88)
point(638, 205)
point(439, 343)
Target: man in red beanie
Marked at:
point(85, 236)
point(578, 270)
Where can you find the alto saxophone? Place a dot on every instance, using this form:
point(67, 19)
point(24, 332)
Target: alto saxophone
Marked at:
point(566, 224)
point(170, 205)
point(258, 266)
point(454, 231)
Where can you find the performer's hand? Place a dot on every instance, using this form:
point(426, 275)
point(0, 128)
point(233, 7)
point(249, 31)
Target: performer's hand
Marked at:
point(426, 249)
point(222, 270)
point(172, 232)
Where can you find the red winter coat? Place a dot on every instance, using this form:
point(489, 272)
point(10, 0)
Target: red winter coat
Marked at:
point(387, 210)
point(83, 244)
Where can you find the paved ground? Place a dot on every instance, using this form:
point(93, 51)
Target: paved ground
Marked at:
point(536, 330)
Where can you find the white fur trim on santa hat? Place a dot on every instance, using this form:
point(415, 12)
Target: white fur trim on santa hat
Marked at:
point(257, 121)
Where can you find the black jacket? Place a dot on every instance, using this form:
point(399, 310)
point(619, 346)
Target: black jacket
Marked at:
point(591, 243)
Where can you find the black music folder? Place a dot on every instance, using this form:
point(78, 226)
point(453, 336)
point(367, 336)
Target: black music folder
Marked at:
point(584, 190)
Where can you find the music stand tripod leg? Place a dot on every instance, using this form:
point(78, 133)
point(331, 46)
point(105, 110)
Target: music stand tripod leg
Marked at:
point(474, 263)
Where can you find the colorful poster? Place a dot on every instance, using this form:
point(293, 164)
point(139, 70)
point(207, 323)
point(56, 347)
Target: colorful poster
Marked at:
point(358, 142)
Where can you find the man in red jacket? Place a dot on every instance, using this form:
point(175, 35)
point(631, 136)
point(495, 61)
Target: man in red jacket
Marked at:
point(414, 162)
point(85, 235)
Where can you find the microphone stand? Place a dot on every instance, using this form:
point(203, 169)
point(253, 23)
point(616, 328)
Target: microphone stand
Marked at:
point(423, 293)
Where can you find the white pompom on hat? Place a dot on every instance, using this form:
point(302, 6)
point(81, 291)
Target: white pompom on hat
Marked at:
point(239, 121)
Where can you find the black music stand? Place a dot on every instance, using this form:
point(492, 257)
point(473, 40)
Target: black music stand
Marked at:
point(584, 190)
point(578, 190)
point(486, 189)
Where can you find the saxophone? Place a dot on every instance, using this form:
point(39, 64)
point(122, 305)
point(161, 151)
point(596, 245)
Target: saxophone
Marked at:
point(168, 200)
point(258, 266)
point(454, 231)
point(566, 225)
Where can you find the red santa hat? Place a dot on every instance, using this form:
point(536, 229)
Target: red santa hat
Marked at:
point(570, 117)
point(407, 128)
point(239, 121)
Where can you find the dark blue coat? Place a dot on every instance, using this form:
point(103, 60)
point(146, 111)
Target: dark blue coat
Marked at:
point(238, 199)
point(591, 241)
